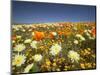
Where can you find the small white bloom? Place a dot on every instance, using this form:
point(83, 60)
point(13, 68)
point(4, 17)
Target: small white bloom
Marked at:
point(37, 57)
point(55, 49)
point(18, 37)
point(34, 44)
point(18, 60)
point(33, 33)
point(19, 47)
point(87, 32)
point(74, 56)
point(30, 30)
point(54, 33)
point(15, 27)
point(80, 37)
point(23, 30)
point(75, 41)
point(27, 69)
point(27, 41)
point(13, 41)
point(92, 38)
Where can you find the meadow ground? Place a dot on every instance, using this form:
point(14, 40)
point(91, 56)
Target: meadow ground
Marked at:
point(48, 47)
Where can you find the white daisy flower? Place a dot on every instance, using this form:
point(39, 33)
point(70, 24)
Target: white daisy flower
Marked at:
point(34, 44)
point(37, 57)
point(19, 47)
point(54, 33)
point(74, 56)
point(75, 41)
point(27, 41)
point(18, 60)
point(55, 49)
point(13, 41)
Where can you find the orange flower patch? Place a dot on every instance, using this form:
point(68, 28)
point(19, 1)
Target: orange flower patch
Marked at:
point(39, 35)
point(60, 33)
point(94, 32)
point(13, 37)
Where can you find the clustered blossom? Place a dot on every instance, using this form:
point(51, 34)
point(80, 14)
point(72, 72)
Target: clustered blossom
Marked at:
point(55, 49)
point(74, 56)
point(19, 47)
point(18, 60)
point(37, 57)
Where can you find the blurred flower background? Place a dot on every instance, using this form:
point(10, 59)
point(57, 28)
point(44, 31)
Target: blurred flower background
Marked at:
point(49, 47)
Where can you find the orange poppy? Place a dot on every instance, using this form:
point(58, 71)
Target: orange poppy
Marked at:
point(39, 35)
point(14, 37)
point(94, 32)
point(60, 33)
point(81, 31)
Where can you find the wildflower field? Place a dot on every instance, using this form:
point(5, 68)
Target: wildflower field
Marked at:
point(51, 47)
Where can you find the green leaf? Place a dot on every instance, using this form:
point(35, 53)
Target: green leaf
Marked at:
point(35, 68)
